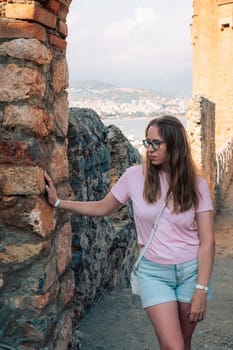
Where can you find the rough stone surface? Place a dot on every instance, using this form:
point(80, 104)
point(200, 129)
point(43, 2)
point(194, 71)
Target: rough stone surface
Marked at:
point(60, 75)
point(36, 119)
point(102, 247)
point(36, 280)
point(20, 83)
point(29, 49)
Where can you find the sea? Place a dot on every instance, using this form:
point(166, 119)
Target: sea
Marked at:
point(133, 128)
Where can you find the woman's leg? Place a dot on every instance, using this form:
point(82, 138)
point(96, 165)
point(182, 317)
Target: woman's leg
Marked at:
point(166, 322)
point(186, 326)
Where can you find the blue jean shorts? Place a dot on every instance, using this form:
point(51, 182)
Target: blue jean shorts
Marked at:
point(160, 283)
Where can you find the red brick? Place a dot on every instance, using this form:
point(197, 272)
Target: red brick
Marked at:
point(62, 28)
point(54, 6)
point(63, 12)
point(9, 30)
point(31, 12)
point(58, 42)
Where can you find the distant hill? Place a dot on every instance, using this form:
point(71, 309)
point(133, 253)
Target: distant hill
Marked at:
point(109, 100)
point(91, 84)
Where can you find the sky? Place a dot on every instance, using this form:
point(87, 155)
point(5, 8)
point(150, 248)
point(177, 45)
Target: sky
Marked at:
point(132, 43)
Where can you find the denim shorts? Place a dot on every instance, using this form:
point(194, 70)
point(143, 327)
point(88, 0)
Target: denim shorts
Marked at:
point(160, 283)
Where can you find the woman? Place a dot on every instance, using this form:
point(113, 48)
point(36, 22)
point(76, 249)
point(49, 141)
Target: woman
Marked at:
point(176, 268)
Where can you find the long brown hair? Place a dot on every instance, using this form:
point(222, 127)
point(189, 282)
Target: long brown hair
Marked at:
point(181, 168)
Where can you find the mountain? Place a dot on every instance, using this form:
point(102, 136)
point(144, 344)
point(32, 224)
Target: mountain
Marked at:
point(109, 100)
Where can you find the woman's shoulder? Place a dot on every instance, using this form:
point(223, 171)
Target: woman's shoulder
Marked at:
point(137, 169)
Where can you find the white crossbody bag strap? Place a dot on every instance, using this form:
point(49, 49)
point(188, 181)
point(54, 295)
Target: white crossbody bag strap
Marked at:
point(154, 228)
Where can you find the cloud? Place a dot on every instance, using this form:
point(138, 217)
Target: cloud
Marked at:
point(141, 21)
point(130, 42)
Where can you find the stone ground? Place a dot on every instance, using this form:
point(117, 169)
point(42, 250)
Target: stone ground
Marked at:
point(117, 321)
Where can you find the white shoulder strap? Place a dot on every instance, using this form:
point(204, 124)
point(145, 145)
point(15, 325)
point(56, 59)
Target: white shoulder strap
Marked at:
point(154, 228)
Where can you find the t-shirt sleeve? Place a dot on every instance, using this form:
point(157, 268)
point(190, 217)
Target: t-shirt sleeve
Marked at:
point(205, 201)
point(120, 189)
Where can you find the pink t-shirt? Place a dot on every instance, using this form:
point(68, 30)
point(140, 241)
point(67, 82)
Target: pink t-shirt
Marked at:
point(176, 239)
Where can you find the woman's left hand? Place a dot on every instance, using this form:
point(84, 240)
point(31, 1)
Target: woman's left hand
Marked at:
point(198, 306)
point(50, 189)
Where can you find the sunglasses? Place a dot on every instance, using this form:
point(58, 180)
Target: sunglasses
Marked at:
point(155, 144)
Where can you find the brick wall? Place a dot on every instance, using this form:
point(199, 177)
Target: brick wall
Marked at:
point(35, 252)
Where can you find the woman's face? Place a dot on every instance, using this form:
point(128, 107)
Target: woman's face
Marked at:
point(157, 157)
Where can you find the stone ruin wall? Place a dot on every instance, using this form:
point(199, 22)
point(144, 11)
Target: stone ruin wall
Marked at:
point(200, 127)
point(216, 166)
point(103, 247)
point(212, 37)
point(35, 251)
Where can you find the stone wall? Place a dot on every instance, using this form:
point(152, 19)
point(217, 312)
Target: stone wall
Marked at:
point(217, 167)
point(36, 282)
point(224, 171)
point(201, 130)
point(213, 60)
point(103, 247)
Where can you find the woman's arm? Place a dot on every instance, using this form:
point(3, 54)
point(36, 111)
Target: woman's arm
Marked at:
point(205, 263)
point(207, 246)
point(93, 208)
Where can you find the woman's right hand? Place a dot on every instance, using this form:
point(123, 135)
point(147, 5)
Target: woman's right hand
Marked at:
point(50, 189)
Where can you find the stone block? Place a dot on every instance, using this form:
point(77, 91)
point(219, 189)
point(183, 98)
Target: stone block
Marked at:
point(34, 118)
point(29, 49)
point(59, 163)
point(60, 43)
point(20, 152)
point(12, 254)
point(64, 253)
point(61, 106)
point(9, 30)
point(64, 9)
point(60, 76)
point(27, 180)
point(41, 219)
point(62, 28)
point(20, 83)
point(31, 12)
point(53, 6)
